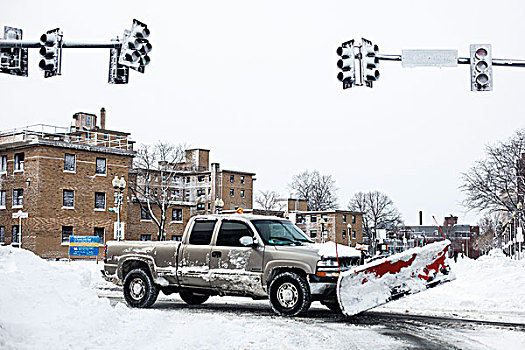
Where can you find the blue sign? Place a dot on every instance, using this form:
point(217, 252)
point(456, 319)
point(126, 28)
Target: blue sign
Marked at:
point(83, 245)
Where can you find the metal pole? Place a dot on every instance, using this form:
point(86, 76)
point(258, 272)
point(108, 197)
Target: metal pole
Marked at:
point(504, 62)
point(20, 231)
point(119, 199)
point(26, 44)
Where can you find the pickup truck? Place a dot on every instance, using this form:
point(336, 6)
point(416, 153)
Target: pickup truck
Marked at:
point(235, 255)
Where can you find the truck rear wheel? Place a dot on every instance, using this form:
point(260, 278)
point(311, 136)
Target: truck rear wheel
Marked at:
point(139, 290)
point(192, 298)
point(289, 294)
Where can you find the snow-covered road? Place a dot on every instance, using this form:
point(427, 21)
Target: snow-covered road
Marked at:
point(60, 305)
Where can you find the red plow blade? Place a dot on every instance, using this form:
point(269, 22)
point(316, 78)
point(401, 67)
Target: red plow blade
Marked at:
point(381, 281)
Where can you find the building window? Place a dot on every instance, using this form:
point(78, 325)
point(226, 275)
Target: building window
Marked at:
point(69, 162)
point(313, 233)
point(88, 120)
point(354, 235)
point(242, 180)
point(2, 199)
point(200, 178)
point(242, 193)
point(232, 192)
point(313, 218)
point(175, 193)
point(176, 215)
point(2, 234)
point(66, 232)
point(145, 214)
point(344, 234)
point(176, 238)
point(209, 206)
point(353, 219)
point(3, 164)
point(100, 200)
point(201, 192)
point(324, 217)
point(18, 197)
point(188, 179)
point(300, 219)
point(100, 232)
point(200, 206)
point(100, 166)
point(14, 234)
point(344, 219)
point(68, 199)
point(145, 237)
point(19, 162)
point(232, 178)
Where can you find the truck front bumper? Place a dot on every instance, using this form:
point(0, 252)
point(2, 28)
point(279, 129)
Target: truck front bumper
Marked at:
point(322, 287)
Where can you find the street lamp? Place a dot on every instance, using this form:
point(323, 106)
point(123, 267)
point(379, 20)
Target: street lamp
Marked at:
point(323, 221)
point(118, 185)
point(219, 204)
point(349, 234)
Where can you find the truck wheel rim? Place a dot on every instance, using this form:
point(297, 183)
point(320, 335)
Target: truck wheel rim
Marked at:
point(137, 289)
point(287, 295)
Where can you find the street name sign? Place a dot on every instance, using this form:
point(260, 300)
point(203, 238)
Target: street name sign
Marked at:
point(429, 58)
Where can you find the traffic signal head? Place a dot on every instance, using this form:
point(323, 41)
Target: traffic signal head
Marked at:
point(13, 60)
point(347, 64)
point(481, 67)
point(51, 52)
point(136, 47)
point(369, 62)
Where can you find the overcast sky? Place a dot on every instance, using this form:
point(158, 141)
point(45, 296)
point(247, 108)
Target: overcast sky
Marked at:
point(255, 82)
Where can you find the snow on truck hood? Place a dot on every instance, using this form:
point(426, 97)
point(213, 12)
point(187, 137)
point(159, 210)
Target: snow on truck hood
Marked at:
point(324, 250)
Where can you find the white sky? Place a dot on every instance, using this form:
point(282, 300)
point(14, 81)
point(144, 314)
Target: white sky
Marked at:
point(255, 82)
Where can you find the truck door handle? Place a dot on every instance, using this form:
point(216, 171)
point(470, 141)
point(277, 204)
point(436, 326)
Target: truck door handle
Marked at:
point(216, 254)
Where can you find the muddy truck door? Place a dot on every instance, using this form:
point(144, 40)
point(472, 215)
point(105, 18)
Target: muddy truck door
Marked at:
point(194, 262)
point(237, 259)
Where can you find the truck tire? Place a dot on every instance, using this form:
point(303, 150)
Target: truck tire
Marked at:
point(289, 294)
point(139, 289)
point(192, 298)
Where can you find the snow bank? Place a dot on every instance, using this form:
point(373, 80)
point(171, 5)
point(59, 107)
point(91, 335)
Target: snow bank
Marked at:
point(489, 288)
point(53, 305)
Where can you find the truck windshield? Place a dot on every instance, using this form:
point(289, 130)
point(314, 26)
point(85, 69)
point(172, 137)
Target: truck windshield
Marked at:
point(277, 232)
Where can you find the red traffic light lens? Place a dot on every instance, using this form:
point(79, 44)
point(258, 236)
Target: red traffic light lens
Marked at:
point(481, 53)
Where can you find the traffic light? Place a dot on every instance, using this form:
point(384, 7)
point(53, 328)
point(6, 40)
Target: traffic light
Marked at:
point(135, 47)
point(369, 62)
point(13, 60)
point(347, 64)
point(480, 67)
point(118, 73)
point(51, 52)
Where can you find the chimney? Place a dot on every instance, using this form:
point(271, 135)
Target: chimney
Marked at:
point(103, 118)
point(420, 218)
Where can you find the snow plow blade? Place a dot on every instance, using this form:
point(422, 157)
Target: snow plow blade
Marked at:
point(381, 281)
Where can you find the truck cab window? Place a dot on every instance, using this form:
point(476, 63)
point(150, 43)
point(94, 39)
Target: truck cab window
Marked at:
point(201, 232)
point(230, 233)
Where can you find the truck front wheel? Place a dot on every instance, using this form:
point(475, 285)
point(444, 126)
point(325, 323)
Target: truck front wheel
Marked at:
point(139, 289)
point(289, 294)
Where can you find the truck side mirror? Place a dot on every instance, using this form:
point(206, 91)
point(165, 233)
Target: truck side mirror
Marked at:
point(246, 241)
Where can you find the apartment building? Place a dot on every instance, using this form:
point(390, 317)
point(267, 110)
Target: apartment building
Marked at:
point(60, 177)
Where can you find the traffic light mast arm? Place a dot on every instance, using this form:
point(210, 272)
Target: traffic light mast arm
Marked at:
point(505, 62)
point(26, 44)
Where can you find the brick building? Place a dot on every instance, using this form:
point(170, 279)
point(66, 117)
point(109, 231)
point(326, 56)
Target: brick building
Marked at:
point(60, 177)
point(192, 187)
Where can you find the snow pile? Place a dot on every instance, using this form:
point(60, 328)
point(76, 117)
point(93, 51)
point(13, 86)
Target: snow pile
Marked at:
point(489, 288)
point(327, 250)
point(54, 305)
point(370, 285)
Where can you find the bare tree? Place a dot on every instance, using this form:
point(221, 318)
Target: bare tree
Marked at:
point(154, 169)
point(492, 184)
point(378, 211)
point(319, 190)
point(490, 229)
point(269, 200)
